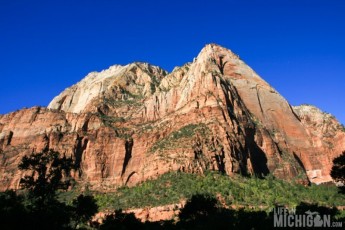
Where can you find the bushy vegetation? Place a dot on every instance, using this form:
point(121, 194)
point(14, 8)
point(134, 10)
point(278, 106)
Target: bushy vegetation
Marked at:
point(241, 191)
point(203, 211)
point(338, 171)
point(185, 132)
point(128, 100)
point(38, 206)
point(123, 98)
point(110, 121)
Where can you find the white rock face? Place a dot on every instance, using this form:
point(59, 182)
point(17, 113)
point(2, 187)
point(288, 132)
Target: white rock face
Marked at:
point(75, 98)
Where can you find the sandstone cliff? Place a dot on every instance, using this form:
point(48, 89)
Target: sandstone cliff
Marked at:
point(129, 123)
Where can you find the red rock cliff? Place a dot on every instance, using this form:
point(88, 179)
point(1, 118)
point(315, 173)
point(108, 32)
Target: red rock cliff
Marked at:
point(130, 123)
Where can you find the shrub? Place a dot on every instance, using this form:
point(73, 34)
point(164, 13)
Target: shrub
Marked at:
point(185, 132)
point(38, 206)
point(170, 188)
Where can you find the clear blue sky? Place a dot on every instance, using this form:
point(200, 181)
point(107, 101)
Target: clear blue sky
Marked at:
point(298, 46)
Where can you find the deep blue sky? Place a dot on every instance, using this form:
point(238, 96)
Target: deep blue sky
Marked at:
point(298, 46)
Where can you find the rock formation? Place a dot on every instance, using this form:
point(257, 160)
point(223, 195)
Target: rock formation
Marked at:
point(130, 123)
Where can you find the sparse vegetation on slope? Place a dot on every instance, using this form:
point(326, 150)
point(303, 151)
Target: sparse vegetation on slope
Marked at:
point(187, 131)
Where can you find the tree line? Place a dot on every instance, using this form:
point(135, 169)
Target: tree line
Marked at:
point(37, 206)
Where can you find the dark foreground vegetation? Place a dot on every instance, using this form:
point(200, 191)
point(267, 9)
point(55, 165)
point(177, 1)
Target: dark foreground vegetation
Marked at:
point(45, 203)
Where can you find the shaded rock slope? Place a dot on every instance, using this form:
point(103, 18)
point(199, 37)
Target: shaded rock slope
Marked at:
point(130, 123)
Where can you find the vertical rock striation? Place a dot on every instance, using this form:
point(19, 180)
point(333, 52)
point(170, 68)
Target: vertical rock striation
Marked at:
point(130, 123)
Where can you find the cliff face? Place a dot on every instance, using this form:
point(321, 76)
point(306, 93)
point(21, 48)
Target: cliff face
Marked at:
point(326, 134)
point(130, 123)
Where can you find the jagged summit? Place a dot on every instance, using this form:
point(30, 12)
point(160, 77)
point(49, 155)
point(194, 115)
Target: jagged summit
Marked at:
point(136, 78)
point(130, 123)
point(142, 79)
point(212, 49)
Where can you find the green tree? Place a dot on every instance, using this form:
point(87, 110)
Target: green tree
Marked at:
point(198, 207)
point(121, 220)
point(45, 174)
point(338, 171)
point(84, 207)
point(49, 173)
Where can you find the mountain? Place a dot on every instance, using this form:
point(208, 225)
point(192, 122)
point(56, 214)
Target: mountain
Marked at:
point(130, 123)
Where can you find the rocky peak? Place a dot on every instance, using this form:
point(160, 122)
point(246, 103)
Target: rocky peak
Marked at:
point(319, 123)
point(326, 134)
point(314, 114)
point(216, 51)
point(135, 78)
point(129, 123)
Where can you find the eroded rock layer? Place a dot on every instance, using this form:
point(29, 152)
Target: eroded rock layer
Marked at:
point(134, 122)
